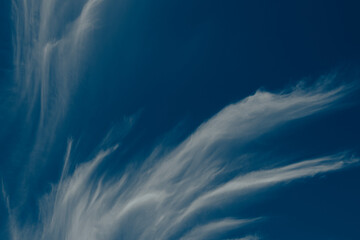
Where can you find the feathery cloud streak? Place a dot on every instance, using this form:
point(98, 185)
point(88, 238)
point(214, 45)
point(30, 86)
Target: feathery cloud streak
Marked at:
point(166, 197)
point(51, 39)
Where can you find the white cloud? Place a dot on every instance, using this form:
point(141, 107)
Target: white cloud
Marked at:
point(165, 197)
point(51, 40)
point(170, 195)
point(211, 230)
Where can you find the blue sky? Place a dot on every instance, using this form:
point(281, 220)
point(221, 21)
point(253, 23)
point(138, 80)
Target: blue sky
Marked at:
point(179, 119)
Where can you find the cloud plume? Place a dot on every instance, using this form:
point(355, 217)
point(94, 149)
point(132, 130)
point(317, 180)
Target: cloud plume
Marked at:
point(168, 196)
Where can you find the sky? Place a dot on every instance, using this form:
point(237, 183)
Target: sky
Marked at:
point(186, 119)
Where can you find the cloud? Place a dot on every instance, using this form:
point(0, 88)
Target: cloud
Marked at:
point(172, 195)
point(51, 40)
point(210, 230)
point(246, 238)
point(264, 178)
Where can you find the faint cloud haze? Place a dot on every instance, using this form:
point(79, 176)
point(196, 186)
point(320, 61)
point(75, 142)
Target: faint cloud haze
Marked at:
point(50, 42)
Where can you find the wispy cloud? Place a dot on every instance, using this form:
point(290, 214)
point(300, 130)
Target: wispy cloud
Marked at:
point(211, 230)
point(51, 40)
point(171, 195)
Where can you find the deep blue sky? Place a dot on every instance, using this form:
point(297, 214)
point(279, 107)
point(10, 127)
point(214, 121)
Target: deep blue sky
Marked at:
point(174, 64)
